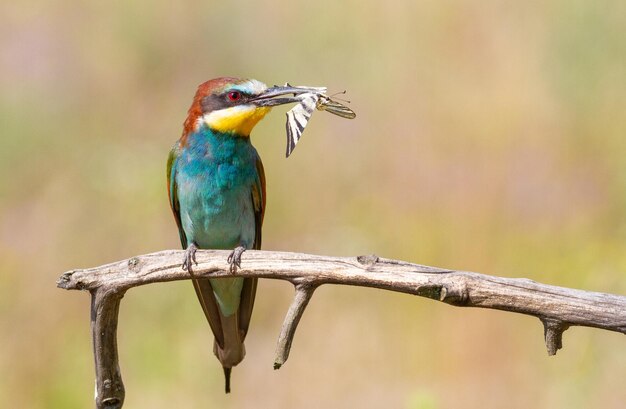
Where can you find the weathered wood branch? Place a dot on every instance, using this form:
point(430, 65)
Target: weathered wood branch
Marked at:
point(558, 308)
point(105, 306)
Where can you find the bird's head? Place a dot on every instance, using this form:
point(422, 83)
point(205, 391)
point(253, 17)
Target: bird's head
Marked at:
point(235, 106)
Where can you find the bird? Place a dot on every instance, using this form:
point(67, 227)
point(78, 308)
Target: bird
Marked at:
point(216, 189)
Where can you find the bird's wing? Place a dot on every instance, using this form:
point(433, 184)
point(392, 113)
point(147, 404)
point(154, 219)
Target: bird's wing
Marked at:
point(203, 287)
point(172, 192)
point(258, 199)
point(249, 285)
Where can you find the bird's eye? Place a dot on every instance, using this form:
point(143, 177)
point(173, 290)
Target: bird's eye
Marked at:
point(234, 96)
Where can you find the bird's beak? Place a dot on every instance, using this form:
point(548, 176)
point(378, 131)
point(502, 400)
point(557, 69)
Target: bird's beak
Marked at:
point(268, 97)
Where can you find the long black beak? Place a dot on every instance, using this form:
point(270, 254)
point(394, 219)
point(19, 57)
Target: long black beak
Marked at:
point(268, 97)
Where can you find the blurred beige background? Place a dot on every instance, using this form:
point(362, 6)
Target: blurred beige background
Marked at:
point(490, 137)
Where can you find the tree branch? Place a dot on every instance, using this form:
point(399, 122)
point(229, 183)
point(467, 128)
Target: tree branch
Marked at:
point(304, 292)
point(558, 308)
point(105, 306)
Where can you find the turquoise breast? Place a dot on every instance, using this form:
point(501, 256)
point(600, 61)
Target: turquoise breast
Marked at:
point(215, 175)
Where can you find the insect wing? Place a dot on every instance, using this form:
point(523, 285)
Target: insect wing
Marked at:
point(297, 119)
point(334, 107)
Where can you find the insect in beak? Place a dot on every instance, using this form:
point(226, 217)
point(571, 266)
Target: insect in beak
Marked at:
point(308, 99)
point(298, 117)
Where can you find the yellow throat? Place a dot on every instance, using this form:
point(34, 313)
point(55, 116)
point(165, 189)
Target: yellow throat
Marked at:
point(238, 120)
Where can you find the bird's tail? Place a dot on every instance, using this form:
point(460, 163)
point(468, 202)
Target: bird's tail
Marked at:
point(229, 331)
point(233, 351)
point(227, 379)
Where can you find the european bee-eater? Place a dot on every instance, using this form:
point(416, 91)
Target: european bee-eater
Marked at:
point(216, 188)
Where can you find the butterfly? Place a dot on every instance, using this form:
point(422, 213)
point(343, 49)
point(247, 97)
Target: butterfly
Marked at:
point(298, 117)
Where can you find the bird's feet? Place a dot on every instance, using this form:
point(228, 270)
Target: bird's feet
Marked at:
point(235, 258)
point(190, 257)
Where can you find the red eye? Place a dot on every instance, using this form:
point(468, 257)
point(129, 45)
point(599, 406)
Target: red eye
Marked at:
point(234, 96)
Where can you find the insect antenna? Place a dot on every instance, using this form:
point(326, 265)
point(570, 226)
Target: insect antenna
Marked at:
point(334, 96)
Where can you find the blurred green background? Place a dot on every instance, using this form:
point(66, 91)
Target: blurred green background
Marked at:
point(490, 137)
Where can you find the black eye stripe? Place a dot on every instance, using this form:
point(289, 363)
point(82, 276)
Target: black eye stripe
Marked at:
point(214, 102)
